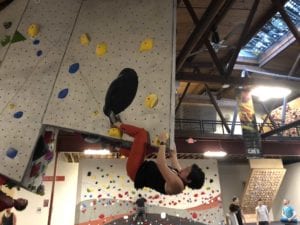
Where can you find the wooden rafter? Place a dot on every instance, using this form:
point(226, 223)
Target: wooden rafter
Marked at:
point(200, 30)
point(243, 36)
point(213, 101)
point(253, 80)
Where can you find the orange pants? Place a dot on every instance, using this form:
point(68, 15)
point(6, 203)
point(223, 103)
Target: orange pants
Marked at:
point(136, 154)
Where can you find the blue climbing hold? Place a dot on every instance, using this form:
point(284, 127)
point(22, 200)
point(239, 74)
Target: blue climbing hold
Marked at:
point(36, 42)
point(63, 93)
point(18, 115)
point(74, 68)
point(11, 153)
point(39, 52)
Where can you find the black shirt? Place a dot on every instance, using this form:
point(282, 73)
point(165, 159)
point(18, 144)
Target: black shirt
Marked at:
point(237, 210)
point(149, 175)
point(140, 202)
point(7, 220)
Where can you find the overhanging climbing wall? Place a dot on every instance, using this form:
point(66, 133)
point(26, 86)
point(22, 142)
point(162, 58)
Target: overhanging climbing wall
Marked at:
point(27, 76)
point(118, 28)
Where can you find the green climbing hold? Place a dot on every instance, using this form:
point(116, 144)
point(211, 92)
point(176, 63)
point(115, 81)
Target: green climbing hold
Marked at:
point(5, 40)
point(17, 37)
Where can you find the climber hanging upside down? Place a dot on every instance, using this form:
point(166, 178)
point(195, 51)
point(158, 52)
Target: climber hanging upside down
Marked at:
point(152, 174)
point(157, 174)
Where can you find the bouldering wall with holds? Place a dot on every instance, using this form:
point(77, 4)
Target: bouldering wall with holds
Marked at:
point(108, 37)
point(10, 18)
point(106, 193)
point(27, 75)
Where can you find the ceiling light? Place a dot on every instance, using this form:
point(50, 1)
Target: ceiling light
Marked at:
point(225, 86)
point(215, 154)
point(97, 152)
point(265, 93)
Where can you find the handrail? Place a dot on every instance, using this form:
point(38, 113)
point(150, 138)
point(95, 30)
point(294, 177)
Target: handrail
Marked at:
point(203, 127)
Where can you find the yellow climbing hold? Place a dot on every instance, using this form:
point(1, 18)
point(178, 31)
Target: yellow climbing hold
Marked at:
point(146, 45)
point(89, 190)
point(115, 132)
point(33, 30)
point(151, 101)
point(156, 141)
point(85, 39)
point(96, 113)
point(101, 49)
point(12, 105)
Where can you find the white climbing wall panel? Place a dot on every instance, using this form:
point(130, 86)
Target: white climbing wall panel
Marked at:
point(122, 26)
point(11, 15)
point(27, 76)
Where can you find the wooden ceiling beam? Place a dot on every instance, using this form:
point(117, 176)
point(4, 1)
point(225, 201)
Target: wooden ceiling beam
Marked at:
point(200, 30)
point(253, 80)
point(215, 58)
point(214, 102)
point(215, 22)
point(209, 47)
point(242, 39)
point(264, 72)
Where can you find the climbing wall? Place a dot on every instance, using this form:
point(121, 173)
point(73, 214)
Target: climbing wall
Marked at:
point(264, 182)
point(106, 193)
point(10, 18)
point(135, 34)
point(27, 75)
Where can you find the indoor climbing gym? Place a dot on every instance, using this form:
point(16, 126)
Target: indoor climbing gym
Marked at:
point(161, 112)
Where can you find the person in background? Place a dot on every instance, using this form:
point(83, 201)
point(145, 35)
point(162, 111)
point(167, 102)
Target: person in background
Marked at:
point(8, 218)
point(262, 213)
point(288, 214)
point(141, 209)
point(234, 207)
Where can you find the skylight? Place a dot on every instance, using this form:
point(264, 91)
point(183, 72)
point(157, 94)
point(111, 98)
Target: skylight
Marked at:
point(274, 31)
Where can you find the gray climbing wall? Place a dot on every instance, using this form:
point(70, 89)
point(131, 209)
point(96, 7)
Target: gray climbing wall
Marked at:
point(27, 75)
point(122, 26)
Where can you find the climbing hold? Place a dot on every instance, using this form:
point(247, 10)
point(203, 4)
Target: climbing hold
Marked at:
point(115, 132)
point(151, 101)
point(85, 39)
point(11, 153)
point(156, 141)
point(7, 24)
point(39, 53)
point(146, 45)
point(5, 40)
point(96, 113)
point(12, 105)
point(36, 42)
point(63, 93)
point(33, 30)
point(74, 68)
point(17, 37)
point(18, 114)
point(101, 49)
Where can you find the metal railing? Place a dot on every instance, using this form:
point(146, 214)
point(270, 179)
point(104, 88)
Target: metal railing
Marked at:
point(204, 127)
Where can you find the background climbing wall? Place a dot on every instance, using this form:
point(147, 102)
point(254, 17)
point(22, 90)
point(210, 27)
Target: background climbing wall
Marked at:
point(27, 75)
point(121, 27)
point(105, 193)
